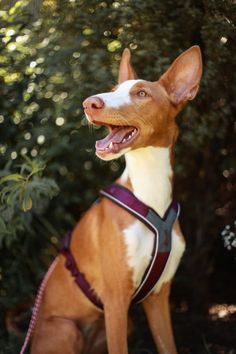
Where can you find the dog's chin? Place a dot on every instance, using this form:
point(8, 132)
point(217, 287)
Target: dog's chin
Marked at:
point(108, 156)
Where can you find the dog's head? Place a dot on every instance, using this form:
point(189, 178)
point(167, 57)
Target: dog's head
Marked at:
point(141, 113)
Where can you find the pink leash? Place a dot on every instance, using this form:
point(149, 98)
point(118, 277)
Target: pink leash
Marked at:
point(37, 304)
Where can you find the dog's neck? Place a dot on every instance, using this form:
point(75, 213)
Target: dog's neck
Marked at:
point(150, 173)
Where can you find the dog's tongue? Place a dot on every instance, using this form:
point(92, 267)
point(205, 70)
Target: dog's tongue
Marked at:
point(115, 136)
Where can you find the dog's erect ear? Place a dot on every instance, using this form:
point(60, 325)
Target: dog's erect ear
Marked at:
point(181, 80)
point(126, 71)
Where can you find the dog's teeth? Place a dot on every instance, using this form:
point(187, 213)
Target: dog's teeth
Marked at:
point(110, 145)
point(124, 140)
point(115, 147)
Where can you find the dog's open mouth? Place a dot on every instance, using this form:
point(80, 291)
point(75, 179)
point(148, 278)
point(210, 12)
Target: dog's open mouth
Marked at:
point(118, 138)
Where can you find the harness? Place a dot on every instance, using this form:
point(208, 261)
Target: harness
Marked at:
point(161, 227)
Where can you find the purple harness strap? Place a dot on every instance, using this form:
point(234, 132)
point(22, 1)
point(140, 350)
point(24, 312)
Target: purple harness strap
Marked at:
point(79, 277)
point(161, 227)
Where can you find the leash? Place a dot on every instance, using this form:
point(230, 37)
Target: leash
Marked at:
point(37, 304)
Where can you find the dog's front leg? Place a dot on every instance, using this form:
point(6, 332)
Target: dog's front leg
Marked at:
point(157, 310)
point(116, 322)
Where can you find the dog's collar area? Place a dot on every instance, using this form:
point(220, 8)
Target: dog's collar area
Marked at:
point(161, 227)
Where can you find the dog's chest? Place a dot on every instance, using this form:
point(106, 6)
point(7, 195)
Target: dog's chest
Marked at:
point(139, 242)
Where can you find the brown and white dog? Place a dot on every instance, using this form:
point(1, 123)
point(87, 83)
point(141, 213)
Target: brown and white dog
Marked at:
point(111, 247)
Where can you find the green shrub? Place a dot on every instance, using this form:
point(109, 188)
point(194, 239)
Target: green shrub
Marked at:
point(49, 62)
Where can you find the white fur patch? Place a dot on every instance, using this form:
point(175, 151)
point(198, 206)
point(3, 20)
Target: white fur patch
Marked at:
point(150, 171)
point(139, 241)
point(120, 96)
point(125, 176)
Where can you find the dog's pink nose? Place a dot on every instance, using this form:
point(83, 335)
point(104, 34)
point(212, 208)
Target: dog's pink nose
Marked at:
point(93, 103)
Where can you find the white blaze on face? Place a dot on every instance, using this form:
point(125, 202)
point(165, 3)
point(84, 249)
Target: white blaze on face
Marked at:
point(119, 97)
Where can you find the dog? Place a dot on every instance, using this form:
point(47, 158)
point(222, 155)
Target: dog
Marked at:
point(112, 249)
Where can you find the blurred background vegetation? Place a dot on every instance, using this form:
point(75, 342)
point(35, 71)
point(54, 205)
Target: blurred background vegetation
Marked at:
point(55, 53)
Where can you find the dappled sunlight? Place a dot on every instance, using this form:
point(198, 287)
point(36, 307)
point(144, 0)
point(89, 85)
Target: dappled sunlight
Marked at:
point(218, 311)
point(54, 54)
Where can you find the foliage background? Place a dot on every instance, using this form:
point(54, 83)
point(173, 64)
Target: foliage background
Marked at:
point(53, 54)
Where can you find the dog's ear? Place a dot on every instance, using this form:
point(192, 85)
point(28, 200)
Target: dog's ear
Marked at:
point(181, 80)
point(126, 71)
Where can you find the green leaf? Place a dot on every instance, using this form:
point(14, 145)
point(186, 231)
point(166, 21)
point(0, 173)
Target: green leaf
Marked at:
point(3, 227)
point(27, 203)
point(13, 177)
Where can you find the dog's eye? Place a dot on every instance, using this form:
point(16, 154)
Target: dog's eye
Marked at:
point(142, 93)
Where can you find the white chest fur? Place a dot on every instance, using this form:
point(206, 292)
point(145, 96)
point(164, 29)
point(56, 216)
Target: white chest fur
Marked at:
point(150, 173)
point(139, 240)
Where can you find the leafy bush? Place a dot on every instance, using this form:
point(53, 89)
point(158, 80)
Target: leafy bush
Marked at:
point(49, 62)
point(20, 192)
